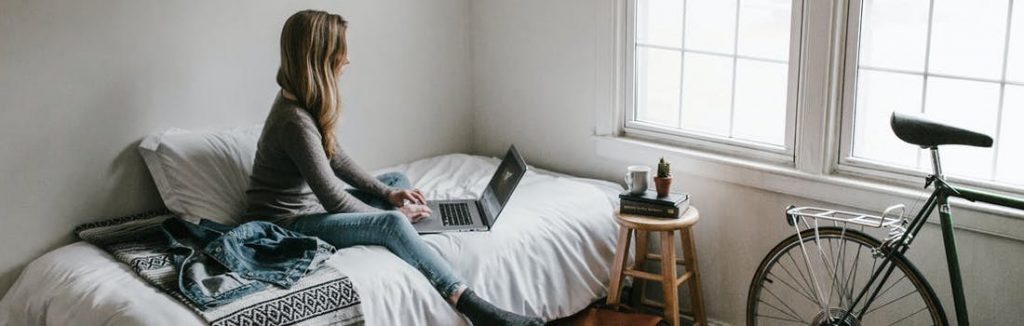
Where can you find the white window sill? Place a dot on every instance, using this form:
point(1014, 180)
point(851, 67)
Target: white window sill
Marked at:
point(835, 189)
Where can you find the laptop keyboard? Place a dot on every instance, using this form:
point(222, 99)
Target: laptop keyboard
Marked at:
point(453, 214)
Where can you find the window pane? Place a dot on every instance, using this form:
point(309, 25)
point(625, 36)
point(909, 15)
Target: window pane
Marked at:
point(711, 25)
point(878, 95)
point(764, 28)
point(966, 104)
point(760, 104)
point(893, 34)
point(657, 95)
point(1015, 63)
point(659, 22)
point(707, 93)
point(968, 38)
point(1010, 167)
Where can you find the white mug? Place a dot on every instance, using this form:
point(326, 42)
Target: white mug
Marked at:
point(636, 178)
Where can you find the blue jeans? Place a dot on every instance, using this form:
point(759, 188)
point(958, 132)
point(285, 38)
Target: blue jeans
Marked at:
point(218, 264)
point(389, 228)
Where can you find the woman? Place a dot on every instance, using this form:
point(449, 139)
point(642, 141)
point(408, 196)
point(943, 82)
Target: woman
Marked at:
point(295, 177)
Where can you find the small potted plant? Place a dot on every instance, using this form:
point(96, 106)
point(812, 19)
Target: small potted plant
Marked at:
point(663, 182)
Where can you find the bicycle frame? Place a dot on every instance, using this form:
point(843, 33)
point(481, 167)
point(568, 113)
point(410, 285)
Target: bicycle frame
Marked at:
point(938, 199)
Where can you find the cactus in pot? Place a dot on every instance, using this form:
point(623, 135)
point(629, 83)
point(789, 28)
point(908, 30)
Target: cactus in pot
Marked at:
point(663, 181)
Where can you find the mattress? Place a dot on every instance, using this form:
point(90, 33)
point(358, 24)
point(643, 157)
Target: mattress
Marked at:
point(548, 255)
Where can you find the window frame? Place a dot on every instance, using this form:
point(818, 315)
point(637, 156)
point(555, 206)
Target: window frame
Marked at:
point(846, 163)
point(785, 154)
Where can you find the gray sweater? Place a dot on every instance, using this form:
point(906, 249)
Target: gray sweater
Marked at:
point(292, 175)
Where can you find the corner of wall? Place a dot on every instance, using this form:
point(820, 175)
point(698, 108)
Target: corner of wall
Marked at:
point(476, 145)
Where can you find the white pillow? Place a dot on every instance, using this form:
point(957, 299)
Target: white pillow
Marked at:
point(202, 174)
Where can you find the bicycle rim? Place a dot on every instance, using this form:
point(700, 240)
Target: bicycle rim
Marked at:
point(815, 284)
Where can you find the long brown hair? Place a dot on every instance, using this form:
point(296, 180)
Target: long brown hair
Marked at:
point(313, 50)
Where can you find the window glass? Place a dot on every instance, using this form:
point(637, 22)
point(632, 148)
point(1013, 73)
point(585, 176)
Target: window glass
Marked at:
point(764, 29)
point(658, 22)
point(658, 90)
point(1015, 62)
point(880, 93)
point(1010, 162)
point(760, 104)
point(968, 38)
point(711, 25)
point(707, 89)
point(894, 34)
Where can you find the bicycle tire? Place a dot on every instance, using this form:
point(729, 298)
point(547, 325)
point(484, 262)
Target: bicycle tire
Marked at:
point(768, 264)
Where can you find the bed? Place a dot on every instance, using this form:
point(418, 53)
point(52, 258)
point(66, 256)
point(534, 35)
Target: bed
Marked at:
point(548, 255)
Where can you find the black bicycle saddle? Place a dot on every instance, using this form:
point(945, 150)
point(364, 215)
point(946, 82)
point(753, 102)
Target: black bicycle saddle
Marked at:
point(926, 133)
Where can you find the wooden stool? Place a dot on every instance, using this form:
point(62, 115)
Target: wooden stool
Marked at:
point(641, 225)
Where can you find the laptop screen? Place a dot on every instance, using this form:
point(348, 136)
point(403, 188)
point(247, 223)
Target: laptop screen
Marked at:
point(504, 181)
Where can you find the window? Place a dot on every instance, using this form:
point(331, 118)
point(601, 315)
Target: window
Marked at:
point(854, 62)
point(731, 76)
point(958, 61)
point(714, 73)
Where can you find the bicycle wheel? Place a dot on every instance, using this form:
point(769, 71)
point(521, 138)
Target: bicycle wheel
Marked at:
point(812, 279)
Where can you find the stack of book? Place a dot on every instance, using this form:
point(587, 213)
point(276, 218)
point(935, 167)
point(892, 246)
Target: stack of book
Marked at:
point(649, 204)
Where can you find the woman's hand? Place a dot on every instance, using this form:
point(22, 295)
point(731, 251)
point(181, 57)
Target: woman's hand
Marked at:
point(411, 203)
point(399, 197)
point(415, 212)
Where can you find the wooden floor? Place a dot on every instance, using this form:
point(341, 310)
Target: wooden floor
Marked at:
point(600, 303)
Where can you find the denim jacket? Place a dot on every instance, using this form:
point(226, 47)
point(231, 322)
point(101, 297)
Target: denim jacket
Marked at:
point(218, 264)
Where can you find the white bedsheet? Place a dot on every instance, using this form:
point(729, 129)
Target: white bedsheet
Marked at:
point(548, 255)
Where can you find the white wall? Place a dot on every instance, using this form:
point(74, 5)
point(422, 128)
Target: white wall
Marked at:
point(82, 81)
point(539, 74)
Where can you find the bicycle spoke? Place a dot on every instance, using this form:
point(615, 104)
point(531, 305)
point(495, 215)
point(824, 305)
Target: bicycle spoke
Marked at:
point(835, 271)
point(908, 316)
point(828, 269)
point(890, 302)
point(889, 265)
point(880, 294)
point(853, 274)
point(795, 280)
point(797, 267)
point(783, 302)
point(810, 271)
point(842, 260)
point(847, 290)
point(803, 294)
point(826, 301)
point(782, 319)
point(779, 310)
point(874, 262)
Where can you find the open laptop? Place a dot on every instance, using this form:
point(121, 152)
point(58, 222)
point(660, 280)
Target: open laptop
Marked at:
point(459, 215)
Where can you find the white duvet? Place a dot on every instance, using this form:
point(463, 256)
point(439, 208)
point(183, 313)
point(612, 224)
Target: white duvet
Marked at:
point(548, 255)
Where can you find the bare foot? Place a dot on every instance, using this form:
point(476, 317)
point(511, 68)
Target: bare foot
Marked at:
point(457, 294)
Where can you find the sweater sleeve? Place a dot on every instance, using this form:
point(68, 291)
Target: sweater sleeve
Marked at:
point(347, 169)
point(305, 149)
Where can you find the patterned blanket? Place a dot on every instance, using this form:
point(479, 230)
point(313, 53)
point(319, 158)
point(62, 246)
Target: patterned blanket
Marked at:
point(324, 297)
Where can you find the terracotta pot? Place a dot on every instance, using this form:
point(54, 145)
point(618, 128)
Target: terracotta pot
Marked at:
point(663, 185)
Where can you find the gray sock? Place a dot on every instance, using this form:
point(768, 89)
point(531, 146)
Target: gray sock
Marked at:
point(481, 312)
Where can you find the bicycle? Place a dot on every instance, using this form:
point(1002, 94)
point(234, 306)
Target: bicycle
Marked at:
point(811, 277)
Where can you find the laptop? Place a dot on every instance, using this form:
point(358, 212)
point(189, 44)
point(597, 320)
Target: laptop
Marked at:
point(463, 215)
